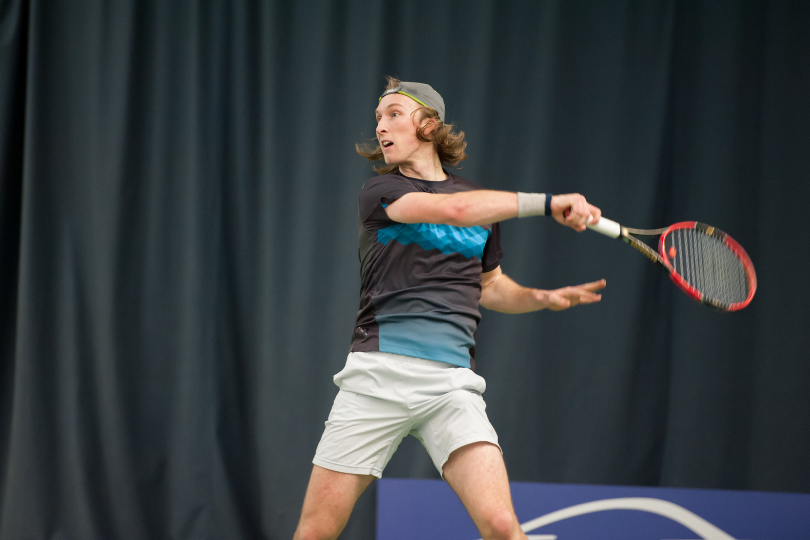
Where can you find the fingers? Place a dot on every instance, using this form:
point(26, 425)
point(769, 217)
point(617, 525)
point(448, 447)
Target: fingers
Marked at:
point(596, 213)
point(579, 214)
point(594, 285)
point(567, 297)
point(574, 211)
point(580, 295)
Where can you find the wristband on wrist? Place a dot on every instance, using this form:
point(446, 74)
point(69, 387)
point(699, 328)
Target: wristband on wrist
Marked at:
point(533, 204)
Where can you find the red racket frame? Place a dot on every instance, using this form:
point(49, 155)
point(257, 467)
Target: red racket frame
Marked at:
point(692, 292)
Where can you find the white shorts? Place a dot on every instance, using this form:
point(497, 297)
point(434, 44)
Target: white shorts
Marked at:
point(384, 397)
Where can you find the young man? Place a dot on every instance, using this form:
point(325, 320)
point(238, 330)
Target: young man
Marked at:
point(429, 252)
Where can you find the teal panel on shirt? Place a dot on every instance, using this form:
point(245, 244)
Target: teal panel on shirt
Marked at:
point(448, 239)
point(426, 336)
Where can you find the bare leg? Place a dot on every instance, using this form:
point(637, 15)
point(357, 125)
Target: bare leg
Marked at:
point(477, 474)
point(328, 503)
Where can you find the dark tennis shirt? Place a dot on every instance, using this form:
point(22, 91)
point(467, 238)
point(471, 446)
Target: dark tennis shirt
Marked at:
point(420, 282)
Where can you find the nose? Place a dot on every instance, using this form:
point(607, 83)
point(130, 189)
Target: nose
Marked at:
point(381, 127)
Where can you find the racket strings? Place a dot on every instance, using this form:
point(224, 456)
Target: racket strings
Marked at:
point(710, 266)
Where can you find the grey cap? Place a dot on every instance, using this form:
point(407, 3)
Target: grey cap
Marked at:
point(421, 93)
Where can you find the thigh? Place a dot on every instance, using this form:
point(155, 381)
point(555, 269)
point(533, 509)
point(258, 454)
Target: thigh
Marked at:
point(329, 501)
point(452, 421)
point(477, 474)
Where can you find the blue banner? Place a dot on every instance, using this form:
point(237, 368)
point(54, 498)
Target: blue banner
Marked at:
point(428, 509)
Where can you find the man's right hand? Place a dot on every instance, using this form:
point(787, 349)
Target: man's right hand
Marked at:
point(572, 210)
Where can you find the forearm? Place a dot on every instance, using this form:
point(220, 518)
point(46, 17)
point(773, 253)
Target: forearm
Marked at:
point(482, 207)
point(506, 296)
point(462, 209)
point(485, 206)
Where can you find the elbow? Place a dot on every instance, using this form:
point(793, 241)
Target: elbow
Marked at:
point(458, 214)
point(486, 304)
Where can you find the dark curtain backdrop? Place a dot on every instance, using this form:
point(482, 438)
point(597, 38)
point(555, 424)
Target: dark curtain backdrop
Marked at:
point(179, 275)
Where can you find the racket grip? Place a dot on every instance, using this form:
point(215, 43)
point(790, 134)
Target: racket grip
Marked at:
point(607, 227)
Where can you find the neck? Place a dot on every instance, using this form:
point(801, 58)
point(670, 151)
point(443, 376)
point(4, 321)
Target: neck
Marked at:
point(427, 168)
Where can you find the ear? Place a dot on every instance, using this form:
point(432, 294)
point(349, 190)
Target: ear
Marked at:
point(429, 124)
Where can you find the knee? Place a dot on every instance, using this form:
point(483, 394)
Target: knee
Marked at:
point(501, 525)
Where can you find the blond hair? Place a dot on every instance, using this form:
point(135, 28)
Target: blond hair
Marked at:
point(449, 145)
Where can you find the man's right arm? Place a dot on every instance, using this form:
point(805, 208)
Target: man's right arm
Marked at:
point(482, 207)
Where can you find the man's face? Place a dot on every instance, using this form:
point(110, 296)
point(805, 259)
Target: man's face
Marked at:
point(396, 129)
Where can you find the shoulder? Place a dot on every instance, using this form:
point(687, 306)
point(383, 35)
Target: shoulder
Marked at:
point(390, 179)
point(462, 184)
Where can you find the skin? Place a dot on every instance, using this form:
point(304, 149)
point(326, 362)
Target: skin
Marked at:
point(476, 472)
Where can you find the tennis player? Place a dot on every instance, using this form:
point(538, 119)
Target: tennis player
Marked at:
point(429, 254)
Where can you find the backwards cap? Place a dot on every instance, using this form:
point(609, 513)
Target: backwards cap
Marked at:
point(421, 93)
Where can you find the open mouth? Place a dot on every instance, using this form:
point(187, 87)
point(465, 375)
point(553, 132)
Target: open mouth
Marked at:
point(386, 144)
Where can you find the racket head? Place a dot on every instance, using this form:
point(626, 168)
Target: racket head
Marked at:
point(708, 265)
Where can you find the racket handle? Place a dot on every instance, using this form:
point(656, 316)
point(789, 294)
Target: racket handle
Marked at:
point(607, 227)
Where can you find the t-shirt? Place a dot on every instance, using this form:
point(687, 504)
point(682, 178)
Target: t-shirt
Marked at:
point(420, 282)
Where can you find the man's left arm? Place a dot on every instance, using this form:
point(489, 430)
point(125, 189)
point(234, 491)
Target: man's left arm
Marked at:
point(500, 293)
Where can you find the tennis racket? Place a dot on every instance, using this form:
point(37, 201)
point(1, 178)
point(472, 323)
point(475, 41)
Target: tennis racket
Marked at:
point(703, 261)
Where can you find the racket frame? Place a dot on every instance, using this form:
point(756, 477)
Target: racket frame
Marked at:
point(733, 245)
point(615, 230)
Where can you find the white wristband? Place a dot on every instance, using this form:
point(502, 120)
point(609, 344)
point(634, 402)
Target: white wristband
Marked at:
point(531, 204)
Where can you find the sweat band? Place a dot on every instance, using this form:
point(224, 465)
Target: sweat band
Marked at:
point(533, 204)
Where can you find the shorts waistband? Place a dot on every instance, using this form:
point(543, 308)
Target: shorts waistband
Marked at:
point(410, 359)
